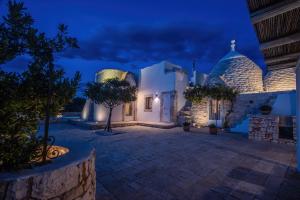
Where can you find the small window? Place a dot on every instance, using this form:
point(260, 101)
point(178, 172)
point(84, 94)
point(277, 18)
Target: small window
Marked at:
point(148, 104)
point(128, 109)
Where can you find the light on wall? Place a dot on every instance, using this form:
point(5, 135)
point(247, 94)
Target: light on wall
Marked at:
point(156, 99)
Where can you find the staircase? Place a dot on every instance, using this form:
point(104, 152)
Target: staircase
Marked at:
point(185, 114)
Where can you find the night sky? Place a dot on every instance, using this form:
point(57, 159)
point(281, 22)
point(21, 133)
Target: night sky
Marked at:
point(133, 34)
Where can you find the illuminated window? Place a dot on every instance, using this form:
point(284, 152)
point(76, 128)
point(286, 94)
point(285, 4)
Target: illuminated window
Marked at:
point(128, 109)
point(214, 110)
point(148, 103)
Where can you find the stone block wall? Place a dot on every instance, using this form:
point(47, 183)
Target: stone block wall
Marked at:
point(75, 180)
point(266, 128)
point(200, 113)
point(244, 75)
point(280, 80)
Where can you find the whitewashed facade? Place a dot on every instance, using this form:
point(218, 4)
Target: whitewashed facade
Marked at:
point(159, 95)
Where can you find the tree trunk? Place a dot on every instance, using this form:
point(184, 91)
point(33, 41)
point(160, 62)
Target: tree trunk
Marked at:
point(108, 123)
point(46, 130)
point(47, 115)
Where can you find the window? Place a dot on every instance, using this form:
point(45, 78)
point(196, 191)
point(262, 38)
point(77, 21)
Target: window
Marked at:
point(128, 109)
point(214, 110)
point(148, 104)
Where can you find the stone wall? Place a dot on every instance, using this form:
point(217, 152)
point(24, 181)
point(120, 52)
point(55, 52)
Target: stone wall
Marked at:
point(244, 75)
point(280, 80)
point(200, 113)
point(70, 178)
point(266, 128)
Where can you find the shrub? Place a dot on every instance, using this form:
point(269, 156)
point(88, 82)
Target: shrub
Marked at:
point(76, 105)
point(40, 92)
point(212, 126)
point(186, 124)
point(19, 122)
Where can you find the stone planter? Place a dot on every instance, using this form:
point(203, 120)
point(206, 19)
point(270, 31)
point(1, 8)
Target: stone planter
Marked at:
point(69, 177)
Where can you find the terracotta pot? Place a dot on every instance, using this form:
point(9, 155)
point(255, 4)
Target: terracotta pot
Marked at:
point(213, 131)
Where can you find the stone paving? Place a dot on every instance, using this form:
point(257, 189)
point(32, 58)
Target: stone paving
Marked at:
point(151, 163)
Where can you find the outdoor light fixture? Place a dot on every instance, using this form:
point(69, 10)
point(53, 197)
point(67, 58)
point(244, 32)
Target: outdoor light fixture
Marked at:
point(156, 99)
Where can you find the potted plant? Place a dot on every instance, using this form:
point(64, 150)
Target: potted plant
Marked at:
point(213, 129)
point(186, 126)
point(265, 109)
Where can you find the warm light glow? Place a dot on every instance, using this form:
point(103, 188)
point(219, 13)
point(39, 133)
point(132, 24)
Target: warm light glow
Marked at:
point(85, 111)
point(156, 99)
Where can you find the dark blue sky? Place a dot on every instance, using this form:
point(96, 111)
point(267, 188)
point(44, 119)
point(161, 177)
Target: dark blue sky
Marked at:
point(133, 34)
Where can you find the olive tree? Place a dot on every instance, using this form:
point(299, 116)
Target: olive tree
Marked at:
point(111, 93)
point(38, 93)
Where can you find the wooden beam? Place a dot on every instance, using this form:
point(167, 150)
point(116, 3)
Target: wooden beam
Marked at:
point(282, 66)
point(274, 10)
point(280, 41)
point(287, 57)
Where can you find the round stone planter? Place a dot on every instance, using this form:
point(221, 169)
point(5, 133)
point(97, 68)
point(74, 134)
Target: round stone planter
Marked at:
point(69, 177)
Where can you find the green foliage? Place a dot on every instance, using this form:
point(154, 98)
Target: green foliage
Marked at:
point(212, 126)
point(218, 92)
point(111, 93)
point(40, 92)
point(18, 114)
point(76, 105)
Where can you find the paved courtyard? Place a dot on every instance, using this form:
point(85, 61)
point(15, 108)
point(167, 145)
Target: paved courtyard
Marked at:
point(151, 163)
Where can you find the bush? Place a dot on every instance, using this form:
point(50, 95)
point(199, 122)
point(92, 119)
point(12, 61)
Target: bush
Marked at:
point(76, 105)
point(19, 122)
point(212, 126)
point(186, 124)
point(39, 92)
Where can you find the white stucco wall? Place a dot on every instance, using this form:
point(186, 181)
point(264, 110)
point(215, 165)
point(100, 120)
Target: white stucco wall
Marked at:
point(101, 113)
point(180, 85)
point(159, 78)
point(298, 114)
point(285, 104)
point(86, 110)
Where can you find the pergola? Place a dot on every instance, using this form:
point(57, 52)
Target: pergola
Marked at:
point(277, 24)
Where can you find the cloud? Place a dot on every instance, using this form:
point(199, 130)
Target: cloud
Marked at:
point(142, 44)
point(18, 64)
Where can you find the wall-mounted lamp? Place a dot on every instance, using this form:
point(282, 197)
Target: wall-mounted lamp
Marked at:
point(156, 98)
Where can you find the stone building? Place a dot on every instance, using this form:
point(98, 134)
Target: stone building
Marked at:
point(160, 96)
point(237, 71)
point(280, 80)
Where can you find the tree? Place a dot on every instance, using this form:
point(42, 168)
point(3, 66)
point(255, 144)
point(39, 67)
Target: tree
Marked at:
point(18, 114)
point(42, 90)
point(218, 92)
point(111, 93)
point(76, 105)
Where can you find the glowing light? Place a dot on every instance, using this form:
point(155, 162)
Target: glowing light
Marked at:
point(156, 99)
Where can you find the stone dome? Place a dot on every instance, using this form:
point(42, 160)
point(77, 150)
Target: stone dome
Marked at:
point(237, 71)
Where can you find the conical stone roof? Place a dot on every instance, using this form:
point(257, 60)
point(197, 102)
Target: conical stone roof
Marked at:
point(237, 71)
